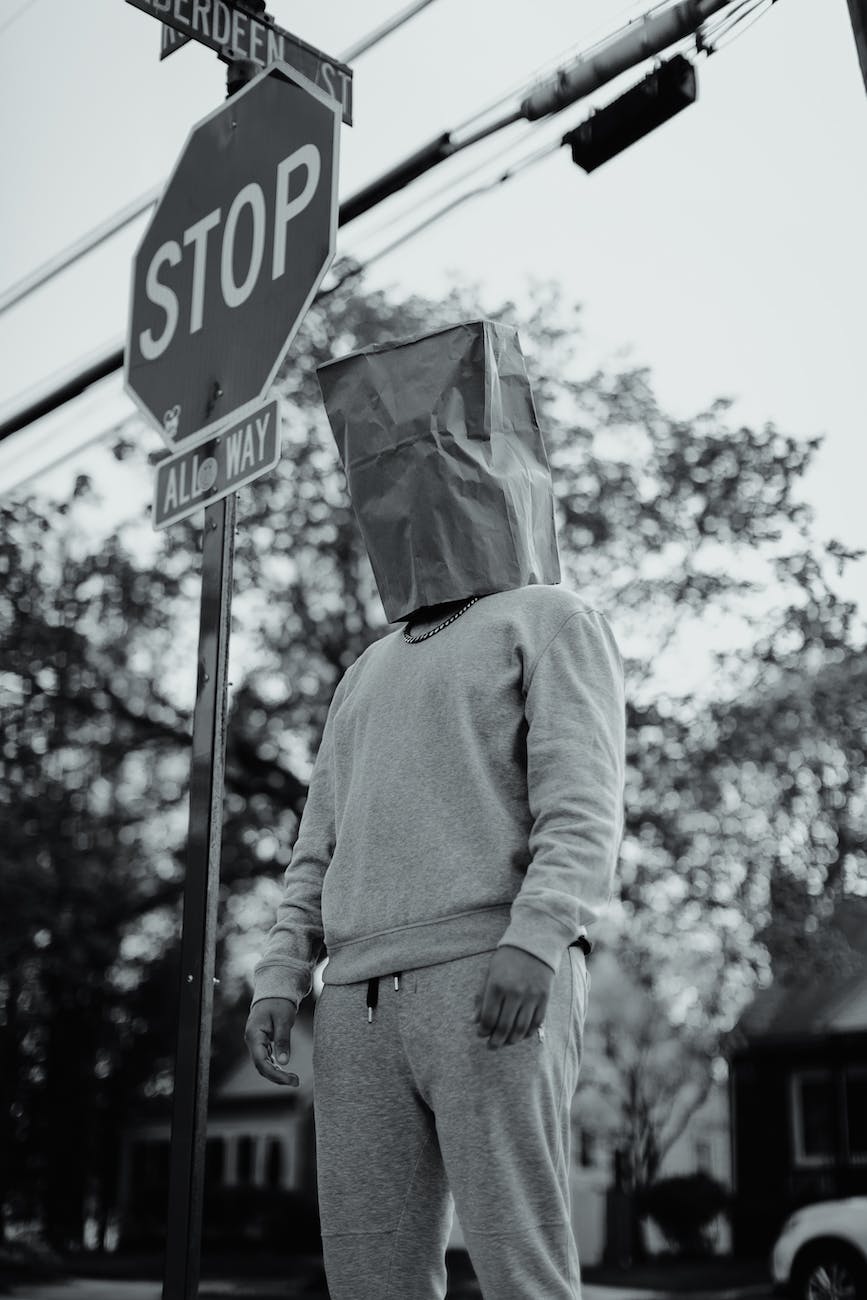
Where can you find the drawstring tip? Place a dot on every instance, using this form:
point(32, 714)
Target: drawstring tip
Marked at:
point(396, 983)
point(372, 996)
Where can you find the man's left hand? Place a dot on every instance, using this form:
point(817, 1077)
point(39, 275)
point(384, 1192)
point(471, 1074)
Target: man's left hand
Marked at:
point(514, 999)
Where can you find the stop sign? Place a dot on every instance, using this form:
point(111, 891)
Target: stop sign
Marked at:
point(233, 255)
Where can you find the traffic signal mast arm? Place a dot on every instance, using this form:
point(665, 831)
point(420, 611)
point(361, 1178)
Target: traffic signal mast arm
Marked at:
point(583, 75)
point(649, 37)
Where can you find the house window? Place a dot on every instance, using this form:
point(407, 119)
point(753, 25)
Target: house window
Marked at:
point(149, 1174)
point(214, 1161)
point(244, 1173)
point(274, 1163)
point(150, 1163)
point(856, 1113)
point(813, 1117)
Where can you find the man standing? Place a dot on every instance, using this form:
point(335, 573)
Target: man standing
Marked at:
point(461, 832)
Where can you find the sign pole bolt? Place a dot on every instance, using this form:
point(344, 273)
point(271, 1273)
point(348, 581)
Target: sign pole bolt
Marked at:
point(216, 394)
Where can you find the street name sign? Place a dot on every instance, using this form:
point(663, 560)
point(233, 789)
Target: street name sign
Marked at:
point(170, 40)
point(235, 33)
point(197, 476)
point(235, 250)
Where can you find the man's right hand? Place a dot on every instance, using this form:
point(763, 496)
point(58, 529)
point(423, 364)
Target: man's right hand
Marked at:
point(269, 1026)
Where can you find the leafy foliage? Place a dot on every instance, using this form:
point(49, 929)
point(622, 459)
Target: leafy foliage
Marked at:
point(745, 792)
point(684, 1207)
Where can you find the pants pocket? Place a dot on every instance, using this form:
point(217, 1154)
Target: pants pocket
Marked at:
point(580, 984)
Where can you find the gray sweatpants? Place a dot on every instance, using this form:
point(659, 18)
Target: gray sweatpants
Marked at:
point(416, 1116)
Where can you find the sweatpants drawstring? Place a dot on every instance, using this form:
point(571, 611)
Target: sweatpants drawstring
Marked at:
point(373, 993)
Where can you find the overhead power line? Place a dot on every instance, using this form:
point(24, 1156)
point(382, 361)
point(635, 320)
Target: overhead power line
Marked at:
point(379, 34)
point(358, 268)
point(68, 256)
point(87, 243)
point(28, 4)
point(719, 35)
point(639, 41)
point(634, 114)
point(660, 101)
point(549, 66)
point(469, 173)
point(657, 30)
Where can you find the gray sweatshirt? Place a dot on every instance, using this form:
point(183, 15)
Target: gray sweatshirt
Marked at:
point(468, 793)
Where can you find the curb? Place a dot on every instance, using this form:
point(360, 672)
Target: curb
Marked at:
point(602, 1291)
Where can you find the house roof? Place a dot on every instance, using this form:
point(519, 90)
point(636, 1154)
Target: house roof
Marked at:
point(243, 1086)
point(821, 1004)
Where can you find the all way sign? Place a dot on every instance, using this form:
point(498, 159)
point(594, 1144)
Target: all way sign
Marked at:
point(232, 31)
point(200, 475)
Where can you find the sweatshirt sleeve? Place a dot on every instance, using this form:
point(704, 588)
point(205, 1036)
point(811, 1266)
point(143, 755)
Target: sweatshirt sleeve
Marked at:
point(576, 743)
point(294, 942)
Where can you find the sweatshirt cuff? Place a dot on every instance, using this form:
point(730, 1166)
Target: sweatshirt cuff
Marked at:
point(538, 934)
point(279, 982)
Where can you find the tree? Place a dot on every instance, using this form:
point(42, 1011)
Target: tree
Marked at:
point(98, 651)
point(640, 1082)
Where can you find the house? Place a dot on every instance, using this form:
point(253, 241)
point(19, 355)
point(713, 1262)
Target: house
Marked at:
point(702, 1147)
point(798, 1090)
point(258, 1135)
point(628, 1040)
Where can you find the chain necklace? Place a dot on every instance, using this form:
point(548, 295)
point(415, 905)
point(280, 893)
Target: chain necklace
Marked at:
point(412, 640)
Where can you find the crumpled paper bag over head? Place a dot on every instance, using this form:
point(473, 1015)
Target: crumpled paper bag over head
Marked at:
point(445, 463)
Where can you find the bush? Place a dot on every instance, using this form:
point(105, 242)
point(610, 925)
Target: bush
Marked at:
point(232, 1218)
point(279, 1219)
point(683, 1208)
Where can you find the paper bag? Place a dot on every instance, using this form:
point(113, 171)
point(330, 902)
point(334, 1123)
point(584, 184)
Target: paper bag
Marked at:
point(445, 464)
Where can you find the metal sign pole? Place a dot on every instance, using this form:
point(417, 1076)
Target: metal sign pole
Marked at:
point(201, 888)
point(278, 128)
point(858, 14)
point(201, 893)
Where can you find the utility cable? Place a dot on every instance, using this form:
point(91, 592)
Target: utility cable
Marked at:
point(572, 82)
point(18, 14)
point(398, 177)
point(550, 65)
point(71, 254)
point(425, 200)
point(357, 268)
point(379, 34)
point(706, 39)
point(67, 257)
point(718, 35)
point(469, 173)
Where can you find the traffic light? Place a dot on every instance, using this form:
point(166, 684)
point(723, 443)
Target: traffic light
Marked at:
point(610, 130)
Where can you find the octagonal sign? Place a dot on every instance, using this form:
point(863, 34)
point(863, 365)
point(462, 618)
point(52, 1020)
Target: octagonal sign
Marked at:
point(233, 255)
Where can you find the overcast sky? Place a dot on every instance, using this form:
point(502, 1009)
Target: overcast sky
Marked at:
point(725, 251)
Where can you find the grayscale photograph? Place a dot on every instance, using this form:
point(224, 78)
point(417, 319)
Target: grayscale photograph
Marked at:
point(433, 650)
